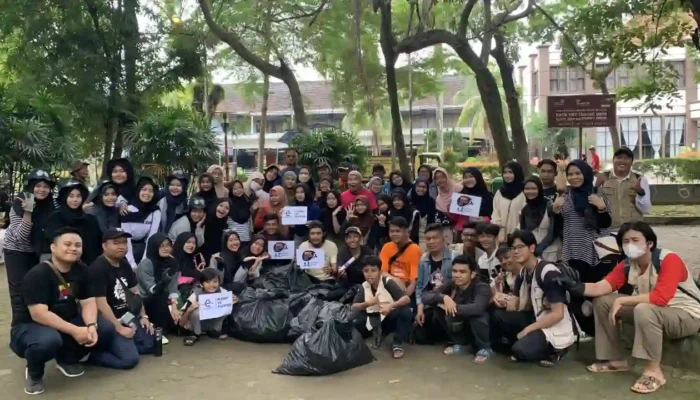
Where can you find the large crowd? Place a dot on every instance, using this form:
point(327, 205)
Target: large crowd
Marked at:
point(101, 276)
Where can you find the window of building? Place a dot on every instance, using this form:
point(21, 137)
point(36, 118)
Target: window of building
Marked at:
point(623, 75)
point(679, 66)
point(576, 79)
point(629, 132)
point(535, 84)
point(651, 137)
point(603, 143)
point(557, 79)
point(675, 138)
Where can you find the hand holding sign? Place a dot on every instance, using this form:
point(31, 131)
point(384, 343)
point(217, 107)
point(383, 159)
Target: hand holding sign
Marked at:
point(311, 258)
point(464, 204)
point(215, 305)
point(281, 250)
point(294, 215)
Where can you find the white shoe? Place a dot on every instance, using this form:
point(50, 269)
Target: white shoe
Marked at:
point(165, 340)
point(583, 338)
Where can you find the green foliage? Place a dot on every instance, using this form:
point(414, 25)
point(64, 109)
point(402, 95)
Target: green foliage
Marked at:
point(172, 139)
point(330, 145)
point(559, 140)
point(671, 169)
point(453, 140)
point(450, 160)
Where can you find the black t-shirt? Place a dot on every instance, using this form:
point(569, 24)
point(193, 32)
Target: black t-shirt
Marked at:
point(550, 193)
point(553, 292)
point(354, 270)
point(106, 279)
point(435, 274)
point(42, 286)
point(390, 286)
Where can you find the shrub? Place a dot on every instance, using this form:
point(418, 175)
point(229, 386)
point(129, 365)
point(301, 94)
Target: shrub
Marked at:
point(672, 169)
point(330, 145)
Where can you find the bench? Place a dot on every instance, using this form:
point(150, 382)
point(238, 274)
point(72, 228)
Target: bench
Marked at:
point(682, 353)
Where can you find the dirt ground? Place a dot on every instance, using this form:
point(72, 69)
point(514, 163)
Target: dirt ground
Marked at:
point(236, 370)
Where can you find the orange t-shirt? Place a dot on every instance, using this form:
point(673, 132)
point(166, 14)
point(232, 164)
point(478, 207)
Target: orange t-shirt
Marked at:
point(406, 265)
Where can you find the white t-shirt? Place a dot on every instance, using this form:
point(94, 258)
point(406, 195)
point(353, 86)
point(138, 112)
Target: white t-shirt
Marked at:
point(489, 263)
point(330, 255)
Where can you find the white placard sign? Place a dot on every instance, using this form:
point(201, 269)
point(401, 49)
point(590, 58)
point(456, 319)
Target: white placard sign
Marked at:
point(464, 204)
point(311, 258)
point(280, 249)
point(215, 305)
point(294, 215)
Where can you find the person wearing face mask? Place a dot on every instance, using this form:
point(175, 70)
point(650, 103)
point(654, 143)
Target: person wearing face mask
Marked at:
point(104, 209)
point(254, 187)
point(664, 304)
point(70, 214)
point(173, 203)
point(143, 219)
point(306, 178)
point(509, 200)
point(193, 222)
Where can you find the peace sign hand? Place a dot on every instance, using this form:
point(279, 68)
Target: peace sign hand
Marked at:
point(350, 210)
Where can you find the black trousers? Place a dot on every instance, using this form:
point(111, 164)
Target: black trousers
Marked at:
point(505, 326)
point(158, 312)
point(398, 322)
point(532, 347)
point(17, 265)
point(588, 274)
point(463, 331)
point(431, 331)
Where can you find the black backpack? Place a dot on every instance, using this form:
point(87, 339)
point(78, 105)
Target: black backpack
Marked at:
point(571, 273)
point(656, 262)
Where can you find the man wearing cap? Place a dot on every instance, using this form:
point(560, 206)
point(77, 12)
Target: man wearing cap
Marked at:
point(324, 171)
point(349, 256)
point(192, 222)
point(118, 300)
point(595, 159)
point(628, 192)
point(79, 171)
point(343, 172)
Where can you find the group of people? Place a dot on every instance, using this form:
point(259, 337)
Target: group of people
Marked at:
point(517, 278)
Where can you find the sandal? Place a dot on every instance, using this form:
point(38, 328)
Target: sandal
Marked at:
point(647, 384)
point(397, 352)
point(217, 335)
point(553, 360)
point(482, 356)
point(190, 340)
point(606, 366)
point(455, 349)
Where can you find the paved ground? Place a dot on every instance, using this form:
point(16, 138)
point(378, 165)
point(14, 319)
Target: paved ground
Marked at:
point(236, 370)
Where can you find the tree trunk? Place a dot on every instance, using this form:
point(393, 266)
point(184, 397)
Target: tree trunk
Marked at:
point(614, 134)
point(263, 123)
point(130, 38)
point(386, 38)
point(491, 99)
point(376, 143)
point(517, 129)
point(297, 98)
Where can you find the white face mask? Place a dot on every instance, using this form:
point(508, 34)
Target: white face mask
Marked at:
point(633, 251)
point(303, 178)
point(255, 186)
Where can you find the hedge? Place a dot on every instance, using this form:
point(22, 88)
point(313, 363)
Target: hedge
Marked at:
point(671, 169)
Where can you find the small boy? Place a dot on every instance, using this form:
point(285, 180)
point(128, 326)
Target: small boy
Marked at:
point(382, 307)
point(209, 282)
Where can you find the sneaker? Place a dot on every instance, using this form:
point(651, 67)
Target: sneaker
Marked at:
point(165, 340)
point(70, 370)
point(32, 386)
point(85, 358)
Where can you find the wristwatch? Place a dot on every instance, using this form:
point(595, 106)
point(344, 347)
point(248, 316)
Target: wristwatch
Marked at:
point(144, 317)
point(92, 324)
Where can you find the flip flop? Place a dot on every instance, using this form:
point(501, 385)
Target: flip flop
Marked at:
point(648, 383)
point(483, 355)
point(605, 367)
point(190, 340)
point(554, 360)
point(455, 349)
point(397, 352)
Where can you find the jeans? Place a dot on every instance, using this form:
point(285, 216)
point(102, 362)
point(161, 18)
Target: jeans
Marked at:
point(532, 347)
point(505, 326)
point(38, 344)
point(145, 342)
point(462, 331)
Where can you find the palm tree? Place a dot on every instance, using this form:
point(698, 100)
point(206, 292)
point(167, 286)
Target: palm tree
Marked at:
point(473, 109)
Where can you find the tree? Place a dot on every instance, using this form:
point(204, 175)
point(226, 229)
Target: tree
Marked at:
point(330, 145)
point(589, 32)
point(559, 140)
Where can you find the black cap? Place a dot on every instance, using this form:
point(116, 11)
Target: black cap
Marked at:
point(624, 151)
point(115, 233)
point(197, 203)
point(353, 229)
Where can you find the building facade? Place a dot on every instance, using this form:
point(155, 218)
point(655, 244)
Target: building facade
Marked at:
point(665, 133)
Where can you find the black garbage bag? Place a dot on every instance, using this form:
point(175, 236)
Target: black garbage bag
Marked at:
point(333, 347)
point(282, 277)
point(264, 321)
point(298, 301)
point(318, 310)
point(250, 294)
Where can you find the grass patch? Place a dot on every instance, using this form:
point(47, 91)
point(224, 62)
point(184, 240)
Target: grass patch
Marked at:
point(678, 210)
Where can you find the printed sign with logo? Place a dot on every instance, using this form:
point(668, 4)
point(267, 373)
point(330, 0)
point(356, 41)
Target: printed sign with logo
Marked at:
point(311, 258)
point(464, 204)
point(215, 305)
point(294, 215)
point(280, 249)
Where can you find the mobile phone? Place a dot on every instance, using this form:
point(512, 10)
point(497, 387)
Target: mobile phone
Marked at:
point(29, 201)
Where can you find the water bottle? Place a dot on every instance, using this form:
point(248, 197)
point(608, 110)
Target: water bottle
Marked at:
point(159, 342)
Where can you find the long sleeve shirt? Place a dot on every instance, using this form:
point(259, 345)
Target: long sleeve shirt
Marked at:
point(141, 231)
point(18, 235)
point(471, 302)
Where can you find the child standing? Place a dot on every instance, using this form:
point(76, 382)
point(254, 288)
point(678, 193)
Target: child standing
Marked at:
point(209, 283)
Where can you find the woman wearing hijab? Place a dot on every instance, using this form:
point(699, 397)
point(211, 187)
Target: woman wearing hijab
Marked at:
point(142, 220)
point(271, 177)
point(325, 186)
point(306, 178)
point(254, 187)
point(217, 173)
point(192, 222)
point(473, 184)
point(228, 260)
point(396, 181)
point(375, 186)
point(333, 216)
point(205, 183)
point(425, 171)
point(303, 198)
point(25, 234)
point(445, 188)
point(537, 217)
point(361, 217)
point(157, 276)
point(379, 234)
point(121, 173)
point(509, 200)
point(289, 183)
point(424, 204)
point(70, 214)
point(586, 217)
point(104, 209)
point(241, 209)
point(173, 205)
point(253, 259)
point(189, 261)
point(401, 207)
point(278, 200)
point(217, 221)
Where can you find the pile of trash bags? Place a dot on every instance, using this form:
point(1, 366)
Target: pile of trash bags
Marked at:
point(283, 306)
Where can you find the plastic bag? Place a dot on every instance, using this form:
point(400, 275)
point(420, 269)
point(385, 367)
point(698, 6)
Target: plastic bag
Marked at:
point(318, 310)
point(334, 347)
point(283, 277)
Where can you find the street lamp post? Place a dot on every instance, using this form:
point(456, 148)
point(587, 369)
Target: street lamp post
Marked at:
point(224, 125)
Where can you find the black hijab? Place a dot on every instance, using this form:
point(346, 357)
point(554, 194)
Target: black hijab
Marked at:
point(406, 186)
point(308, 197)
point(174, 202)
point(126, 189)
point(232, 259)
point(41, 213)
point(424, 204)
point(310, 183)
point(579, 195)
point(511, 190)
point(66, 215)
point(327, 214)
point(208, 195)
point(240, 205)
point(406, 211)
point(143, 209)
point(214, 228)
point(160, 264)
point(107, 217)
point(270, 184)
point(247, 252)
point(480, 190)
point(534, 209)
point(430, 169)
point(323, 195)
point(185, 261)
